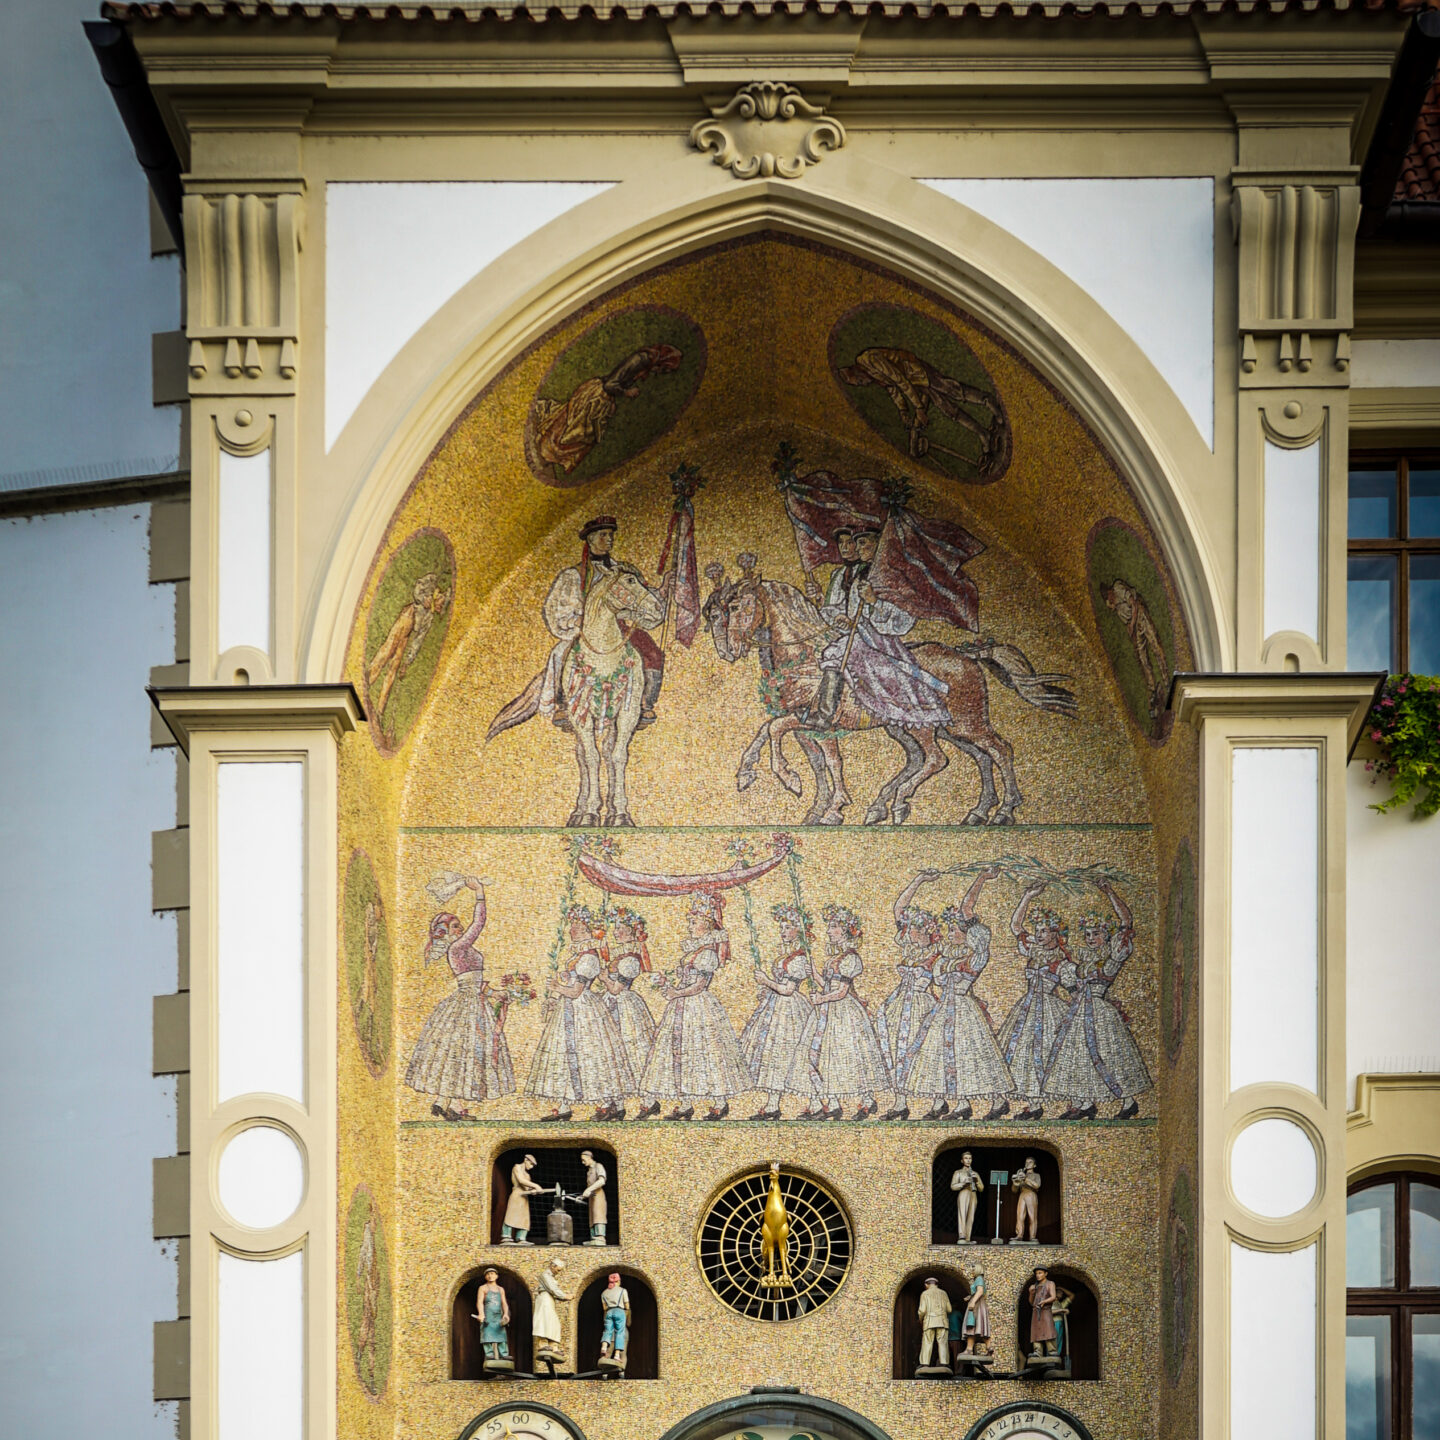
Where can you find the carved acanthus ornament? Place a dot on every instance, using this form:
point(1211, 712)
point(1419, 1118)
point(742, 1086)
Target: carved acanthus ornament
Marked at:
point(768, 128)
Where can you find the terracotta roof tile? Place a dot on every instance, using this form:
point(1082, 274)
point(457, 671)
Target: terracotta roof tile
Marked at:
point(1420, 172)
point(479, 10)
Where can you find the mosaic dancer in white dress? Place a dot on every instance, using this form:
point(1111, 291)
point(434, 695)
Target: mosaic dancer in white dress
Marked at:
point(839, 1056)
point(580, 1056)
point(953, 1055)
point(770, 1035)
point(1028, 1035)
point(917, 933)
point(629, 959)
point(695, 1055)
point(462, 1053)
point(1095, 1057)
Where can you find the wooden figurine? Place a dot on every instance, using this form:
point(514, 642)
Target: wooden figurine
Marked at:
point(594, 1195)
point(545, 1324)
point(516, 1227)
point(967, 1184)
point(934, 1310)
point(615, 1325)
point(975, 1324)
point(492, 1310)
point(1060, 1314)
point(1026, 1183)
point(1042, 1295)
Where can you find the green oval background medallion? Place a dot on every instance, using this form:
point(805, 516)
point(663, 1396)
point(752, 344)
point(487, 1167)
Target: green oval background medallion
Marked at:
point(1133, 616)
point(1178, 1278)
point(367, 962)
point(922, 387)
point(612, 392)
point(405, 633)
point(1179, 944)
point(369, 1311)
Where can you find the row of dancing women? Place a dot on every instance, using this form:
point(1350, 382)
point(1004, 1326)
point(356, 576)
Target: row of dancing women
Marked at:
point(810, 1037)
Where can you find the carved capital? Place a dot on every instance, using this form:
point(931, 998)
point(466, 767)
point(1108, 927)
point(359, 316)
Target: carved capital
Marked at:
point(768, 128)
point(243, 260)
point(1297, 255)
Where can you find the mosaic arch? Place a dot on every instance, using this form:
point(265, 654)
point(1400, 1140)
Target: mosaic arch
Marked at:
point(789, 685)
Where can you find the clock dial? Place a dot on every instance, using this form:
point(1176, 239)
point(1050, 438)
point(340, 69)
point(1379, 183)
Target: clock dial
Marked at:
point(521, 1422)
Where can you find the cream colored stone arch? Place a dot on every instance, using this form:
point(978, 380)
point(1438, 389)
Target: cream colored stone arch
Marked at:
point(847, 203)
point(1395, 1125)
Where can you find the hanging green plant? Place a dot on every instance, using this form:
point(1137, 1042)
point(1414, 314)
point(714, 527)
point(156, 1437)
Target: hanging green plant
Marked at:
point(1405, 723)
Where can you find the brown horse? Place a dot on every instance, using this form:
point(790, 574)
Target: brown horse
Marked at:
point(789, 633)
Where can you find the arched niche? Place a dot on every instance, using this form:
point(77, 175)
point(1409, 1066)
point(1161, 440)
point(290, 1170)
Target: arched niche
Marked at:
point(985, 1159)
point(1082, 1346)
point(905, 1328)
point(866, 209)
point(466, 1356)
point(555, 1165)
point(642, 1358)
point(775, 1410)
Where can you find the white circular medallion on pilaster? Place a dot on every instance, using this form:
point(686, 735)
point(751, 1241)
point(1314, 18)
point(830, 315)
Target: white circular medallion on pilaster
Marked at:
point(261, 1177)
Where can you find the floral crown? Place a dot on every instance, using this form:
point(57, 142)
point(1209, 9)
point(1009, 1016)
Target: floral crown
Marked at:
point(584, 915)
point(794, 915)
point(624, 915)
point(1097, 920)
point(844, 916)
point(912, 917)
point(1048, 920)
point(707, 902)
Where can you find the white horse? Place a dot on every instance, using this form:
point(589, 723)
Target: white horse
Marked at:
point(602, 685)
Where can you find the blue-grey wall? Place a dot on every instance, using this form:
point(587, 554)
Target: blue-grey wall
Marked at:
point(79, 293)
point(81, 955)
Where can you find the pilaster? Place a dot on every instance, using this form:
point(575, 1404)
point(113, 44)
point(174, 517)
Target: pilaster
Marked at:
point(256, 858)
point(1295, 206)
point(1273, 751)
point(245, 218)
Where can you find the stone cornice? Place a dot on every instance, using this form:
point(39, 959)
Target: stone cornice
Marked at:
point(1318, 694)
point(189, 710)
point(1330, 62)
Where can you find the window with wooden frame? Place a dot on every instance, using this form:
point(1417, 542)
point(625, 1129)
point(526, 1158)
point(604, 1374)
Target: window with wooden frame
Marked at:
point(1393, 589)
point(1392, 1322)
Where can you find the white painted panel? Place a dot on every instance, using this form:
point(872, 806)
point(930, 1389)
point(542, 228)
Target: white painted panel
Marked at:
point(1392, 978)
point(395, 252)
point(243, 604)
point(1273, 1168)
point(261, 1177)
point(1292, 539)
point(1378, 364)
point(1272, 1344)
point(1274, 916)
point(1144, 249)
point(260, 928)
point(260, 1348)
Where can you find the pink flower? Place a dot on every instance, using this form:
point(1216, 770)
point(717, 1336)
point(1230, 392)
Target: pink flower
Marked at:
point(1374, 734)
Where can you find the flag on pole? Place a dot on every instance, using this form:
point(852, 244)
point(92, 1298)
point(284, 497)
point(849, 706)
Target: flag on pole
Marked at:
point(919, 563)
point(820, 503)
point(680, 543)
